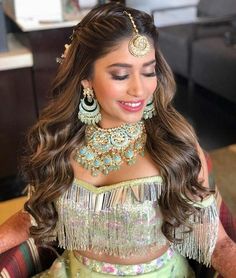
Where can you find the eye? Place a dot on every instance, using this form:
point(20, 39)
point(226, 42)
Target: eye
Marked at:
point(151, 74)
point(119, 77)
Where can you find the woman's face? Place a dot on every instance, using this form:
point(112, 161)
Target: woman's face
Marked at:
point(123, 84)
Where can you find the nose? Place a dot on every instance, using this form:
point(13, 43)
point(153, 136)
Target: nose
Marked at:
point(136, 86)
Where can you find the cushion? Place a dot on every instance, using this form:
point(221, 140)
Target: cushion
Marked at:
point(26, 260)
point(228, 221)
point(21, 261)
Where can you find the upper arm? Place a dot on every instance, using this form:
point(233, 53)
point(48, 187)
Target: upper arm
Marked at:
point(205, 173)
point(14, 231)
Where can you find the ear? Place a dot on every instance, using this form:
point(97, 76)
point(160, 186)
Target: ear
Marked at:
point(86, 83)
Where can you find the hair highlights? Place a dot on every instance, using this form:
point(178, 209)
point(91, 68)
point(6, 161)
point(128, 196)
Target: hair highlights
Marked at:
point(51, 142)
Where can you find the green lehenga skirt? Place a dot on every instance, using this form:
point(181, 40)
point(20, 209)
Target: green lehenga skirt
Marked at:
point(171, 264)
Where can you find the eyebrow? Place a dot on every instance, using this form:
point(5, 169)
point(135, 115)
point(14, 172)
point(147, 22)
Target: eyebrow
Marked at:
point(124, 65)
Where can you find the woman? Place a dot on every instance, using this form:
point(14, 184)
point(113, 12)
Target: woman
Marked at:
point(116, 173)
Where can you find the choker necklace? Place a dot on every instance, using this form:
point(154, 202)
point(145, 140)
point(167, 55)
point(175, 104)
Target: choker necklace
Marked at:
point(106, 149)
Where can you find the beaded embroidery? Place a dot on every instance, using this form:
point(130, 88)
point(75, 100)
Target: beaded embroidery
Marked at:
point(125, 270)
point(124, 219)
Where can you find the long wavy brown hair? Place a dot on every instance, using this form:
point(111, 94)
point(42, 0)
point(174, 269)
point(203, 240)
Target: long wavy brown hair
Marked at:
point(171, 142)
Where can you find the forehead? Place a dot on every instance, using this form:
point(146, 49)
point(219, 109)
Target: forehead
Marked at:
point(120, 54)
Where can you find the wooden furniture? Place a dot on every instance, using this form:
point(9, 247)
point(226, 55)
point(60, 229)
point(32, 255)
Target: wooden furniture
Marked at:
point(17, 105)
point(46, 46)
point(26, 72)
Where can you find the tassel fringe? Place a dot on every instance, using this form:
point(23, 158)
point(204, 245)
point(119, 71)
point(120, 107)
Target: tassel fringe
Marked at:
point(200, 243)
point(109, 222)
point(125, 220)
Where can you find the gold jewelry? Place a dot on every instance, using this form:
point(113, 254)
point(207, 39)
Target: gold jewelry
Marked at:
point(139, 45)
point(89, 110)
point(106, 149)
point(63, 56)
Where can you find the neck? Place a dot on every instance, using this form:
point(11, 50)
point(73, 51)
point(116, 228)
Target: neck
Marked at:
point(109, 125)
point(114, 127)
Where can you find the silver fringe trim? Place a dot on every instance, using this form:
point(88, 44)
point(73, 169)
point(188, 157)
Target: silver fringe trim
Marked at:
point(200, 243)
point(97, 202)
point(109, 222)
point(126, 220)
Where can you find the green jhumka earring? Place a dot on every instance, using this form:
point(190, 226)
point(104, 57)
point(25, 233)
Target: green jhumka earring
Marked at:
point(149, 110)
point(89, 111)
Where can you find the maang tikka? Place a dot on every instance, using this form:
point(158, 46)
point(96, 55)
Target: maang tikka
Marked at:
point(139, 45)
point(89, 110)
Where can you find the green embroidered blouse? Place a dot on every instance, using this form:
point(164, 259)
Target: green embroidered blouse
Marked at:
point(124, 219)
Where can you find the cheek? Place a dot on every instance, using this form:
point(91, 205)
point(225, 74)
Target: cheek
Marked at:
point(152, 86)
point(108, 91)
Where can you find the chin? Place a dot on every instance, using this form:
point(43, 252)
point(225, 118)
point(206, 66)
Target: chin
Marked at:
point(135, 120)
point(120, 120)
point(132, 120)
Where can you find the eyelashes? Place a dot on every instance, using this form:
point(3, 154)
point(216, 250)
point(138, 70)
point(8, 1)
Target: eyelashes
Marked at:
point(152, 74)
point(120, 77)
point(123, 77)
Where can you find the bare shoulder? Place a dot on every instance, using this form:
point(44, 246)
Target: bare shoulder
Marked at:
point(203, 174)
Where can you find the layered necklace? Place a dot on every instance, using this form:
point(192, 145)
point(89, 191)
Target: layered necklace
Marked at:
point(105, 150)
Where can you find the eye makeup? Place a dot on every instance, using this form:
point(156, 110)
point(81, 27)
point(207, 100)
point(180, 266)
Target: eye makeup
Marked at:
point(122, 71)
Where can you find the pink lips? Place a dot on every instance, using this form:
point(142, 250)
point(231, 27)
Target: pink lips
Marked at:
point(131, 106)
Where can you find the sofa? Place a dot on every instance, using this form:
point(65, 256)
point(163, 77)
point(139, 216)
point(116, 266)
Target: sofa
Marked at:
point(204, 51)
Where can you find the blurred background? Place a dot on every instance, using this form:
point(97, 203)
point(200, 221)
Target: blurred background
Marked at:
point(197, 38)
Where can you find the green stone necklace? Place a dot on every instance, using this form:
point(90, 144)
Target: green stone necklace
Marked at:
point(106, 149)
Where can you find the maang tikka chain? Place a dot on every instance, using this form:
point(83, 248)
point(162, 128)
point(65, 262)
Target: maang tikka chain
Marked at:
point(139, 45)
